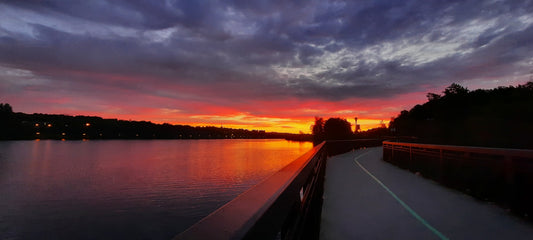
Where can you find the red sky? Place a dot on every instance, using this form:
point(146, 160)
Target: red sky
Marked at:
point(257, 65)
point(288, 115)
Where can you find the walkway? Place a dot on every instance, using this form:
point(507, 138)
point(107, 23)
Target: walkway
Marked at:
point(367, 198)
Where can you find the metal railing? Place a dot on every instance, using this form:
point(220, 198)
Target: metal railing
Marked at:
point(504, 176)
point(286, 205)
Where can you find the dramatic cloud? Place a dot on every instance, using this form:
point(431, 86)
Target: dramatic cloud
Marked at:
point(264, 64)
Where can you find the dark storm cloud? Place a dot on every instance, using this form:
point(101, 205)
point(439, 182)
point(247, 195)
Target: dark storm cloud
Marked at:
point(137, 14)
point(270, 49)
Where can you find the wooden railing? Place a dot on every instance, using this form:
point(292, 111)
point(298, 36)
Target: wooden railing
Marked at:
point(286, 205)
point(504, 176)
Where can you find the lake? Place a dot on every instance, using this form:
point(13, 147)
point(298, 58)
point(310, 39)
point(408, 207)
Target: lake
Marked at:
point(118, 189)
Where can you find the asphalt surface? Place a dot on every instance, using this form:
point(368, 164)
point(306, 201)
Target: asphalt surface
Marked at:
point(367, 198)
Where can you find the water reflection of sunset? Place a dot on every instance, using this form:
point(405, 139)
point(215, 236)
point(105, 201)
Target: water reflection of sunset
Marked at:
point(236, 161)
point(171, 183)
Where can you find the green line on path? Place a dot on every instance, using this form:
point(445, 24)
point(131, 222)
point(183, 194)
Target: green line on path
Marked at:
point(409, 209)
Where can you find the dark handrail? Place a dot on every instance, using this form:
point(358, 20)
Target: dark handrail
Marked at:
point(504, 176)
point(481, 150)
point(250, 215)
point(287, 205)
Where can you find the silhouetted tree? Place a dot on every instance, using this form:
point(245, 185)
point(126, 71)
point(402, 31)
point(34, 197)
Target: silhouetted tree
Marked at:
point(5, 109)
point(7, 122)
point(433, 96)
point(337, 128)
point(318, 130)
point(455, 89)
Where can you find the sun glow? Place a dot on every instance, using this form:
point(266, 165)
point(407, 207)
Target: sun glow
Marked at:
point(246, 121)
point(296, 125)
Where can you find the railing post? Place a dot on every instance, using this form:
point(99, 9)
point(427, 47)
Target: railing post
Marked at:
point(467, 177)
point(509, 175)
point(392, 153)
point(509, 170)
point(442, 168)
point(410, 164)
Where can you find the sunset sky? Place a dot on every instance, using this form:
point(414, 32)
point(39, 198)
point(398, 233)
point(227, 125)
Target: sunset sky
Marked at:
point(270, 65)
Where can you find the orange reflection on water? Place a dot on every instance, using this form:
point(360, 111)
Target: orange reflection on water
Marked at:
point(131, 168)
point(117, 179)
point(238, 162)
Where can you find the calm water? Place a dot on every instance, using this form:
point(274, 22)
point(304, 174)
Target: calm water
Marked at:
point(149, 189)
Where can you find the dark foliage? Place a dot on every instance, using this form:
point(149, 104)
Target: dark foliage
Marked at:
point(318, 130)
point(500, 117)
point(21, 126)
point(374, 133)
point(332, 129)
point(5, 109)
point(337, 129)
point(341, 129)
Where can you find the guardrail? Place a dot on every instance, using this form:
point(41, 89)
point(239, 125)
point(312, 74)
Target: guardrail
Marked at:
point(286, 205)
point(504, 176)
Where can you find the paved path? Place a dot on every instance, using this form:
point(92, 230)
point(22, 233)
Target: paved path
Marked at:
point(367, 198)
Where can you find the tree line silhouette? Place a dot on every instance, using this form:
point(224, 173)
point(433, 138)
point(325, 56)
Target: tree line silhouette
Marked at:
point(22, 126)
point(340, 129)
point(500, 117)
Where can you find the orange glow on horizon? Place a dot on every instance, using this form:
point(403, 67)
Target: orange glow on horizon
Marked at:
point(291, 125)
point(284, 116)
point(288, 124)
